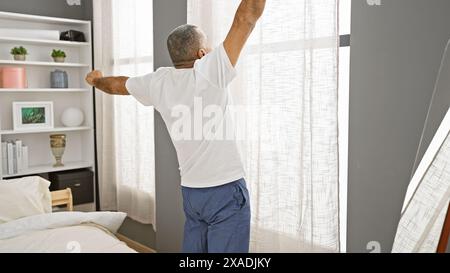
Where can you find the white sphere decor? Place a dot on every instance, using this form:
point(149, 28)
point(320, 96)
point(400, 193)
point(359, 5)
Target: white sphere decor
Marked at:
point(72, 117)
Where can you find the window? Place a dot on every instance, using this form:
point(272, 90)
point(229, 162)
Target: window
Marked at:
point(133, 52)
point(289, 66)
point(124, 46)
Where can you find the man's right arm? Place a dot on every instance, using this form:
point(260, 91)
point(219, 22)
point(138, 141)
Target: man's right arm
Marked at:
point(109, 85)
point(246, 17)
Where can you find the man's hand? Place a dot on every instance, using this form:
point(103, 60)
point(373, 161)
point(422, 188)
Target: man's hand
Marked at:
point(109, 85)
point(247, 15)
point(92, 76)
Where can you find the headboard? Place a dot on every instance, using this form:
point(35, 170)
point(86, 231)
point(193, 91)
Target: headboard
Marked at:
point(63, 197)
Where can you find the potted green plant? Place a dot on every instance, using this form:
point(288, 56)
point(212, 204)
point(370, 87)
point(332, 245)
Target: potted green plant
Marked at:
point(59, 56)
point(19, 53)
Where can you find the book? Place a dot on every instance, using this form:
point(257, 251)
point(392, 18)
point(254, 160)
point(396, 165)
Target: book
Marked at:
point(25, 164)
point(4, 158)
point(14, 157)
point(19, 159)
point(10, 157)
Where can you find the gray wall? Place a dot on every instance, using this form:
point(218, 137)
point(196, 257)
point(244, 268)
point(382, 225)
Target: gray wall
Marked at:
point(396, 51)
point(54, 8)
point(169, 214)
point(439, 106)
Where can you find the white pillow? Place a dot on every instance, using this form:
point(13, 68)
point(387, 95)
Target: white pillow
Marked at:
point(24, 197)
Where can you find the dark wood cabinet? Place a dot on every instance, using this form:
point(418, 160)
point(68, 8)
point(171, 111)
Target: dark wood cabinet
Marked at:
point(81, 182)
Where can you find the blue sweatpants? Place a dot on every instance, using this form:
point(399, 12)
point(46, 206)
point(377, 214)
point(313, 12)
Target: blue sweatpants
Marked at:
point(217, 219)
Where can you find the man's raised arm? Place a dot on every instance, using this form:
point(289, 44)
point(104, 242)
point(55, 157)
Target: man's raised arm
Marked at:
point(247, 15)
point(110, 85)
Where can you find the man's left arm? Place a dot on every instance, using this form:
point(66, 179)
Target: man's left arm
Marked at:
point(246, 17)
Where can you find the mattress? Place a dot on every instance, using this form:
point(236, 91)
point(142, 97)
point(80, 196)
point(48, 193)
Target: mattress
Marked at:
point(68, 232)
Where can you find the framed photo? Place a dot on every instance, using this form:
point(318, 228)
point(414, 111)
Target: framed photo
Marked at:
point(33, 115)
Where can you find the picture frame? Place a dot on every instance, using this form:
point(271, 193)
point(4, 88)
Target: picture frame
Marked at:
point(33, 115)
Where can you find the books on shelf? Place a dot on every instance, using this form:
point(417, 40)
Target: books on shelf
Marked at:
point(18, 155)
point(4, 158)
point(25, 163)
point(10, 158)
point(14, 157)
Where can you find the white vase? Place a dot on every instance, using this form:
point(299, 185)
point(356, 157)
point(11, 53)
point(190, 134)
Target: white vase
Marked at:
point(72, 117)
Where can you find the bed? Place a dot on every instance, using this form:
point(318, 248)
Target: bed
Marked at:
point(28, 225)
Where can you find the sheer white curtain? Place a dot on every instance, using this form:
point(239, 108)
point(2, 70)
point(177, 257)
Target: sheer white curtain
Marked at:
point(427, 199)
point(288, 84)
point(124, 46)
point(421, 224)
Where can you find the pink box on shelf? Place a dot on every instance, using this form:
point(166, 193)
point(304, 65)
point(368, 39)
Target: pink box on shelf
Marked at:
point(13, 77)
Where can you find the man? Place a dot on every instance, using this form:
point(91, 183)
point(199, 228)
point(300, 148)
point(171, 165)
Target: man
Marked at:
point(215, 197)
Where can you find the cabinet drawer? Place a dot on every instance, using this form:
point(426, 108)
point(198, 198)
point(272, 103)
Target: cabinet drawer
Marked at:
point(82, 190)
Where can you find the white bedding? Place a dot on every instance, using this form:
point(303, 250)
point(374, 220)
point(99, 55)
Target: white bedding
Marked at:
point(64, 232)
point(24, 197)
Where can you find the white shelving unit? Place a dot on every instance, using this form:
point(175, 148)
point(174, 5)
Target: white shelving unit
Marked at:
point(39, 64)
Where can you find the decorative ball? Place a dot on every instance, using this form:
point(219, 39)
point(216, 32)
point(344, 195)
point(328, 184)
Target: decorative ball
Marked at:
point(72, 117)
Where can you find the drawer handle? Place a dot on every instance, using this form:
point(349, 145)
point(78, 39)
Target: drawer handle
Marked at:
point(77, 185)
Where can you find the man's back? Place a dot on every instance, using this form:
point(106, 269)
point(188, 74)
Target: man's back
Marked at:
point(194, 103)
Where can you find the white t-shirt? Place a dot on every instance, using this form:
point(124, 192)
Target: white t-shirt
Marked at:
point(194, 103)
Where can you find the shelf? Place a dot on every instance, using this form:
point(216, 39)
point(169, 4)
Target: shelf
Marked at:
point(81, 153)
point(43, 42)
point(51, 64)
point(42, 131)
point(44, 90)
point(41, 19)
point(49, 168)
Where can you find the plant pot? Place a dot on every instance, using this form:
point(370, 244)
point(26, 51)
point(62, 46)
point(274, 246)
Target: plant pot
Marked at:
point(59, 59)
point(20, 57)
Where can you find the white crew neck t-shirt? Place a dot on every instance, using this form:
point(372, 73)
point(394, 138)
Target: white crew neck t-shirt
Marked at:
point(192, 97)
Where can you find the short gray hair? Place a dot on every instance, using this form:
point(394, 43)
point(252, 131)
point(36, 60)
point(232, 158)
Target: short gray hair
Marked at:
point(184, 42)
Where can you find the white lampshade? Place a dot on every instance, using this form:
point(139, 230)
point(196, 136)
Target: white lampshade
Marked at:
point(72, 117)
